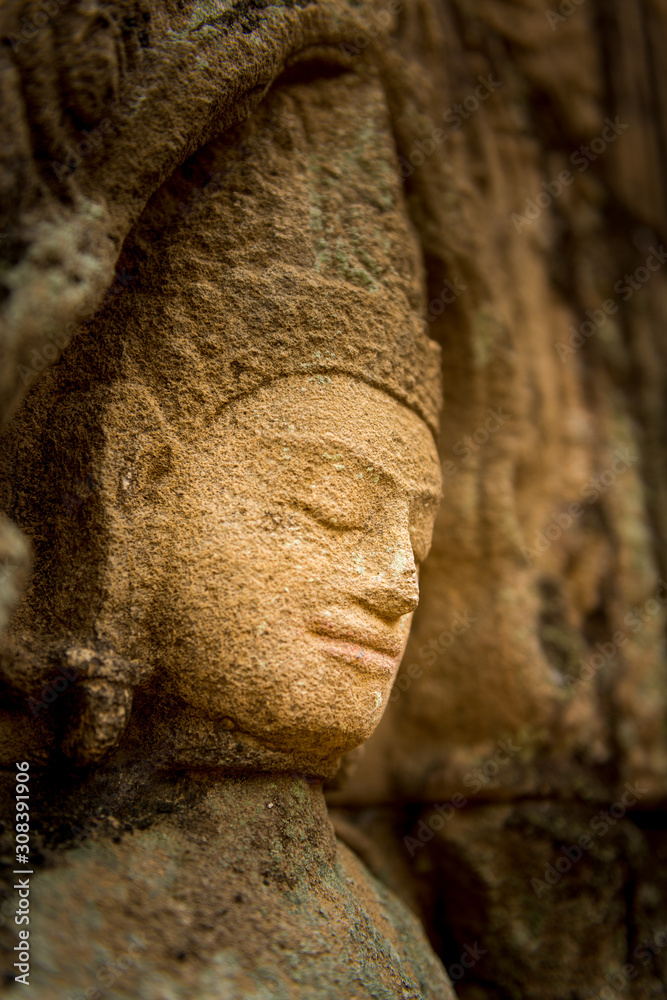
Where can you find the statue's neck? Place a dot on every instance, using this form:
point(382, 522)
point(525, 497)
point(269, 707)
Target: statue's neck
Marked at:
point(229, 813)
point(275, 813)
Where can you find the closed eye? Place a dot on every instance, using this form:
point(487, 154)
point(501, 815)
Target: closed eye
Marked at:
point(331, 516)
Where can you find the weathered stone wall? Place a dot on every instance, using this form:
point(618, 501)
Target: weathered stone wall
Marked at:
point(530, 708)
point(532, 694)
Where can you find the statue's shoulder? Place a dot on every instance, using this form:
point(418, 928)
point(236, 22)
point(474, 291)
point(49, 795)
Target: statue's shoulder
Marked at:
point(393, 929)
point(158, 913)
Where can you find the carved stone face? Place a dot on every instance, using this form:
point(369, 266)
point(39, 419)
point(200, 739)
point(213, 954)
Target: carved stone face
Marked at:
point(302, 520)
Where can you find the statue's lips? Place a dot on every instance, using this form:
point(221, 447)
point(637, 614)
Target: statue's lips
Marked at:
point(367, 647)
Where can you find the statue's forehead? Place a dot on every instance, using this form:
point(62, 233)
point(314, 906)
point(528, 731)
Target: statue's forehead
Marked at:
point(331, 423)
point(337, 404)
point(408, 460)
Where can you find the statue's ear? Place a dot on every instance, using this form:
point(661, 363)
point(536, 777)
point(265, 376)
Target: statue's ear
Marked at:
point(103, 697)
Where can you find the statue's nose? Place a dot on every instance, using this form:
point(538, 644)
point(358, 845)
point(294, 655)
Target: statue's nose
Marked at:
point(394, 590)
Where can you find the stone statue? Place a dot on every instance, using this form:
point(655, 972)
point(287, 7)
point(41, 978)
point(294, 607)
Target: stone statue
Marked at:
point(202, 222)
point(229, 482)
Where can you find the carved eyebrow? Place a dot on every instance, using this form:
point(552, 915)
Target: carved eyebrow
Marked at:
point(333, 449)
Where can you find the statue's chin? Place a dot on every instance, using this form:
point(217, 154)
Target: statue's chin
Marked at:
point(308, 708)
point(319, 744)
point(309, 742)
point(323, 728)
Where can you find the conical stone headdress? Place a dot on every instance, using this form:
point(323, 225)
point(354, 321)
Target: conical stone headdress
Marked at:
point(284, 249)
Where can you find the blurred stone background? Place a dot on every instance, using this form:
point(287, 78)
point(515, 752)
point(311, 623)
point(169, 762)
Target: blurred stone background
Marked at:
point(531, 698)
point(514, 793)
